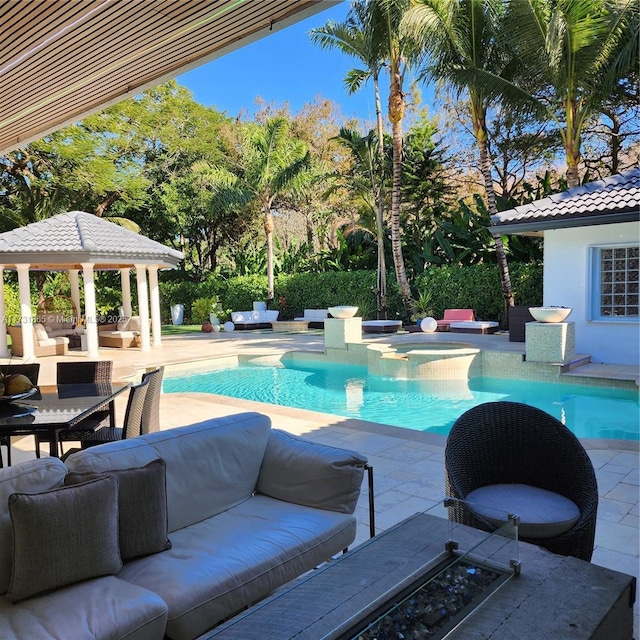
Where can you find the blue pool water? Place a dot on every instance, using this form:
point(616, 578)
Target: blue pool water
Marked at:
point(423, 405)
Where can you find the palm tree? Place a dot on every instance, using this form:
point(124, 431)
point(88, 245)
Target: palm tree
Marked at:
point(271, 162)
point(362, 184)
point(577, 53)
point(357, 38)
point(459, 40)
point(386, 16)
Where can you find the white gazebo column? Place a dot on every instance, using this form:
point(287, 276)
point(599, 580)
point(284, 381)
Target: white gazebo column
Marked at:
point(143, 305)
point(26, 317)
point(90, 310)
point(4, 350)
point(126, 292)
point(75, 292)
point(154, 292)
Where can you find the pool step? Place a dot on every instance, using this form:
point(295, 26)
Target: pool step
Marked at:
point(574, 364)
point(392, 355)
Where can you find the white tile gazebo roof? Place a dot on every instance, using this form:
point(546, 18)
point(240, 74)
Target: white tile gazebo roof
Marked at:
point(69, 239)
point(614, 199)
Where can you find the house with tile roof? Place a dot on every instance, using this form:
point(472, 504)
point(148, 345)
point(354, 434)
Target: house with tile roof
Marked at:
point(591, 261)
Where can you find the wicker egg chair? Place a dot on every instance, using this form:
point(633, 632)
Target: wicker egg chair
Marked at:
point(512, 443)
point(58, 306)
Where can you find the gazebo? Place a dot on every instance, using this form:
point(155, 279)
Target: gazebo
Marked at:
point(82, 242)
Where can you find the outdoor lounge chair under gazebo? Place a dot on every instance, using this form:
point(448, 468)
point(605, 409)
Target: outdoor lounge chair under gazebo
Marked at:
point(82, 242)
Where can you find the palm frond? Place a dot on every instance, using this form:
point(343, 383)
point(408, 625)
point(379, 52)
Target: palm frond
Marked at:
point(355, 79)
point(125, 223)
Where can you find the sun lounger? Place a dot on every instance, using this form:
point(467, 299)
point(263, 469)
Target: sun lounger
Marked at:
point(455, 315)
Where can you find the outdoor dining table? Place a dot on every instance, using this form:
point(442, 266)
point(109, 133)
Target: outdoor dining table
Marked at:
point(54, 408)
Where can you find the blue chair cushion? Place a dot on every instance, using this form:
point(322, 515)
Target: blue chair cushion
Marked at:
point(543, 514)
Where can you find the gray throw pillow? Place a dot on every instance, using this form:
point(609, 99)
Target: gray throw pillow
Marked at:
point(142, 506)
point(63, 536)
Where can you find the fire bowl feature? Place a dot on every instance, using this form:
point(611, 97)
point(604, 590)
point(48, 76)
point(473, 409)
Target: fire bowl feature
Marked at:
point(550, 314)
point(343, 312)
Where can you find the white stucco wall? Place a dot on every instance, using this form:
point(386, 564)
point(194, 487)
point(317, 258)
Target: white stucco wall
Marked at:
point(567, 283)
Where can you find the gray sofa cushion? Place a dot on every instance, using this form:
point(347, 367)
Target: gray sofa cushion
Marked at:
point(325, 477)
point(543, 514)
point(100, 609)
point(220, 565)
point(142, 507)
point(33, 476)
point(63, 536)
point(211, 466)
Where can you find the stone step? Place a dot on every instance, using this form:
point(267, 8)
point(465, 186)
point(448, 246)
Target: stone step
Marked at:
point(578, 361)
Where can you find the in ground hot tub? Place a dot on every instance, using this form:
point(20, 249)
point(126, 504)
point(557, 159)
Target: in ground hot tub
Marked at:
point(420, 360)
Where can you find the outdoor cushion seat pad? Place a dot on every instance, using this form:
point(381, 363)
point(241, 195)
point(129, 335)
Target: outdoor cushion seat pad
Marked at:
point(543, 513)
point(104, 607)
point(259, 545)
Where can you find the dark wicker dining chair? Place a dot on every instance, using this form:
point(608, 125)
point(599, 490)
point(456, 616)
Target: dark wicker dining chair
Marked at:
point(132, 427)
point(513, 443)
point(32, 371)
point(87, 372)
point(151, 411)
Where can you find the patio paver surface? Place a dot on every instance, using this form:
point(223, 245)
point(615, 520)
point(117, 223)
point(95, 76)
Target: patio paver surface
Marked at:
point(408, 465)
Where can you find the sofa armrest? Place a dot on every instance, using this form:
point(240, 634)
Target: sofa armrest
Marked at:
point(311, 474)
point(112, 326)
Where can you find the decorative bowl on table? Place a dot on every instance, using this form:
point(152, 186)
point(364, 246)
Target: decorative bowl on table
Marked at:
point(343, 312)
point(550, 314)
point(19, 396)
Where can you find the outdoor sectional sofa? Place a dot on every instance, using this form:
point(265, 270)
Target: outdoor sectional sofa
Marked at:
point(315, 317)
point(246, 509)
point(121, 335)
point(256, 319)
point(43, 344)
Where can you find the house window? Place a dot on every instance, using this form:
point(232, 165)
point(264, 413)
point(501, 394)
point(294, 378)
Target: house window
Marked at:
point(616, 278)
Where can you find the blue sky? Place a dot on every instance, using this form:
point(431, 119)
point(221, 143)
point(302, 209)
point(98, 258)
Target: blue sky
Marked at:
point(283, 67)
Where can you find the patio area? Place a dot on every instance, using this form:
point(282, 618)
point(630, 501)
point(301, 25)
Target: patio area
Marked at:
point(408, 465)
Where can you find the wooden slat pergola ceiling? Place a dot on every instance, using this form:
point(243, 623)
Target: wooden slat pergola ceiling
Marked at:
point(62, 60)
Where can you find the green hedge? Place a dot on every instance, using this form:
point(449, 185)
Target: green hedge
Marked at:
point(476, 287)
point(296, 292)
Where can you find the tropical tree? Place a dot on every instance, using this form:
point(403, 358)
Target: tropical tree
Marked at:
point(357, 37)
point(272, 161)
point(361, 185)
point(195, 203)
point(268, 163)
point(386, 17)
point(427, 194)
point(577, 54)
point(459, 39)
point(89, 166)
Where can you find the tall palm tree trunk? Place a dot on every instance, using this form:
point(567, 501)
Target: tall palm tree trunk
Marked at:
point(572, 144)
point(396, 113)
point(382, 265)
point(480, 133)
point(268, 230)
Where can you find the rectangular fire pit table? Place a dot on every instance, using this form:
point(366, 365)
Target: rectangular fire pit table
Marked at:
point(553, 597)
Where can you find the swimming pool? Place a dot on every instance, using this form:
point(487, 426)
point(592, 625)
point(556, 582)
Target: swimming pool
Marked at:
point(422, 405)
